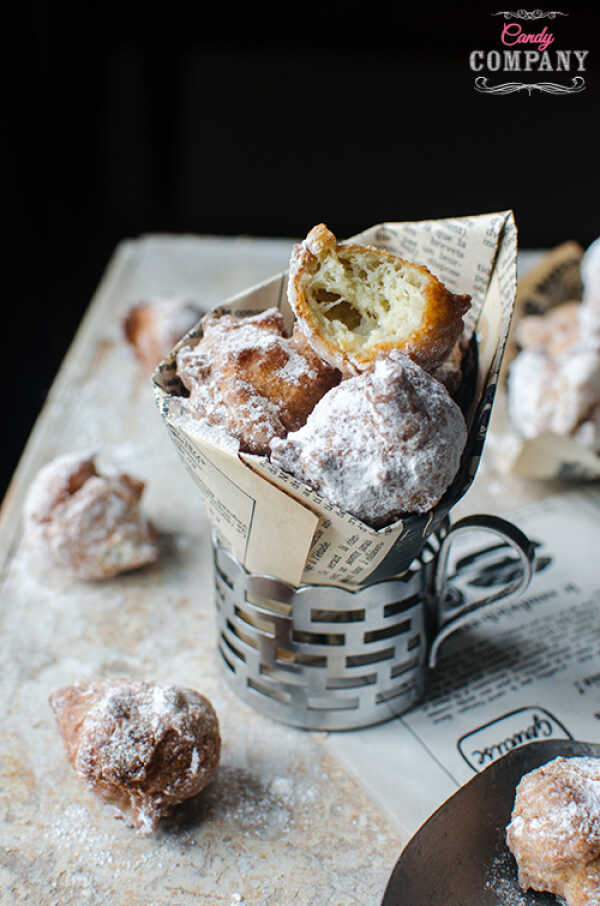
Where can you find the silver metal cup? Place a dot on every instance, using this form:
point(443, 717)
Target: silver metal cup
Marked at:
point(322, 657)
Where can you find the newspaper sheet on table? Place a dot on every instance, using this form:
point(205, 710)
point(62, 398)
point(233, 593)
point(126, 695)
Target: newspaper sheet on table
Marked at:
point(528, 670)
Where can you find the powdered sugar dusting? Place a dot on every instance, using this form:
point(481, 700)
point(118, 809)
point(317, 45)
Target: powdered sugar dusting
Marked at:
point(560, 799)
point(174, 317)
point(295, 370)
point(88, 522)
point(250, 378)
point(554, 395)
point(187, 420)
point(144, 747)
point(554, 382)
point(502, 881)
point(380, 444)
point(55, 482)
point(554, 831)
point(155, 326)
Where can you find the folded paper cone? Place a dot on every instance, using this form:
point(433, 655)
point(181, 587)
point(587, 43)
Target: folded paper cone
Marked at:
point(272, 523)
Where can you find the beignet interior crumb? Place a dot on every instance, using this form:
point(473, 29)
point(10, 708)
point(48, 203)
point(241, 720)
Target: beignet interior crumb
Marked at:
point(361, 300)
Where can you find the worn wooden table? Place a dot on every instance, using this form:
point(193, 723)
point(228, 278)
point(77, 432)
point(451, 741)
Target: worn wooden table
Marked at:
point(284, 822)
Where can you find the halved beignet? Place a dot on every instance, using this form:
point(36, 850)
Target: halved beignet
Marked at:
point(356, 304)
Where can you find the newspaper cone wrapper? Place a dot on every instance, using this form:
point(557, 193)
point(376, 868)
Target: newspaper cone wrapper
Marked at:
point(274, 524)
point(555, 280)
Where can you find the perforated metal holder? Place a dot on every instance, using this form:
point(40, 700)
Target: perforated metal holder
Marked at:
point(325, 658)
point(321, 657)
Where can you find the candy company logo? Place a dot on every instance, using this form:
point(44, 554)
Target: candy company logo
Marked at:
point(528, 48)
point(486, 744)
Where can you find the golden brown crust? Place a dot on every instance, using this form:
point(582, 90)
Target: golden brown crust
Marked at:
point(438, 330)
point(246, 375)
point(450, 371)
point(554, 833)
point(134, 322)
point(153, 328)
point(144, 748)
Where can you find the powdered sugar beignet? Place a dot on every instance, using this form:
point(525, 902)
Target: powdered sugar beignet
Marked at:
point(554, 833)
point(381, 444)
point(154, 327)
point(143, 747)
point(554, 381)
point(247, 376)
point(87, 522)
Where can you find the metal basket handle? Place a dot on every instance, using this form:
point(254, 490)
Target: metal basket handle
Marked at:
point(453, 616)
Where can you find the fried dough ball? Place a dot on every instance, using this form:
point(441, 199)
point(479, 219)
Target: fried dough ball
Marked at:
point(450, 371)
point(246, 375)
point(356, 304)
point(87, 522)
point(556, 331)
point(554, 382)
point(381, 444)
point(553, 395)
point(554, 832)
point(153, 328)
point(142, 747)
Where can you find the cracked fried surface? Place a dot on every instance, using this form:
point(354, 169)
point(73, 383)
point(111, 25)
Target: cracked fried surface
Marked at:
point(246, 375)
point(142, 747)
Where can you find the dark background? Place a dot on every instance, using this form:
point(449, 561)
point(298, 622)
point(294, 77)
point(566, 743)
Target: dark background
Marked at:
point(264, 119)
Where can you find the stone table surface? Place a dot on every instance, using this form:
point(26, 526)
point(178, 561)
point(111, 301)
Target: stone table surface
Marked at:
point(284, 823)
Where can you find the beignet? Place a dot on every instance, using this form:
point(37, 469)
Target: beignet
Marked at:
point(248, 376)
point(450, 371)
point(380, 444)
point(554, 381)
point(87, 522)
point(356, 304)
point(554, 832)
point(142, 747)
point(556, 331)
point(153, 328)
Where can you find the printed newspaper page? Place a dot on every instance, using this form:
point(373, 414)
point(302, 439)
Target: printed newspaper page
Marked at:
point(528, 669)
